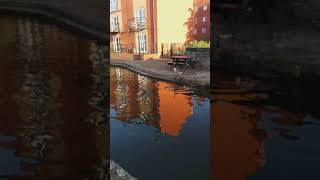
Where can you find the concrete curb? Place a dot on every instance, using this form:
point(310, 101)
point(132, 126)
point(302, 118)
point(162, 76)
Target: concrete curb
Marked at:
point(118, 173)
point(178, 80)
point(56, 15)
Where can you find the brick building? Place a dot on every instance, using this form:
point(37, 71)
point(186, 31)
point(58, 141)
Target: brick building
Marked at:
point(133, 29)
point(202, 20)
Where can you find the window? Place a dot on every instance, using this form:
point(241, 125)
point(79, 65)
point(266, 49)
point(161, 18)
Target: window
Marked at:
point(196, 9)
point(204, 30)
point(195, 20)
point(113, 5)
point(204, 19)
point(116, 43)
point(142, 43)
point(195, 31)
point(114, 24)
point(205, 7)
point(141, 17)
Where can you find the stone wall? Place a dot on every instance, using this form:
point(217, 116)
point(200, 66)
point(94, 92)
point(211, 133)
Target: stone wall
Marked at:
point(201, 56)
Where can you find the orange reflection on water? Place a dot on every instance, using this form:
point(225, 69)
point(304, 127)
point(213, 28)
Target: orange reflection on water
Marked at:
point(237, 137)
point(156, 103)
point(174, 109)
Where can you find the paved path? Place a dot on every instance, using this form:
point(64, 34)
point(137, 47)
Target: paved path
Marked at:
point(87, 16)
point(161, 70)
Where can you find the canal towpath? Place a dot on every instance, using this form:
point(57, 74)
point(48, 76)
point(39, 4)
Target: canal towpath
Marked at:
point(160, 69)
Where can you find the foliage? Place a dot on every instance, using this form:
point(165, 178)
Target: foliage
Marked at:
point(190, 24)
point(199, 44)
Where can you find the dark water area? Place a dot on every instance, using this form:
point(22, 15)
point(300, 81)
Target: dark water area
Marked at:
point(264, 130)
point(158, 130)
point(53, 96)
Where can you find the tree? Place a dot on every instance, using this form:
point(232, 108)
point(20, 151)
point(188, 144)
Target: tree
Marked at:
point(190, 24)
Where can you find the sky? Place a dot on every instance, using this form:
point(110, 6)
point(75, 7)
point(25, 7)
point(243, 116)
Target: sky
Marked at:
point(171, 16)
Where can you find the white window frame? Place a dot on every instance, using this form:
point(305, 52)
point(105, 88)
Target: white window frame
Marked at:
point(196, 9)
point(195, 20)
point(195, 31)
point(141, 41)
point(115, 24)
point(113, 5)
point(205, 7)
point(204, 30)
point(204, 19)
point(116, 44)
point(140, 17)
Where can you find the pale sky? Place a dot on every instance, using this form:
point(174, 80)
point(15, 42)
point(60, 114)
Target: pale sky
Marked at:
point(171, 16)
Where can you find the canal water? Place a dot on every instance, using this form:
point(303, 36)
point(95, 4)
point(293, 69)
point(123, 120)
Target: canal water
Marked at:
point(264, 129)
point(53, 118)
point(158, 130)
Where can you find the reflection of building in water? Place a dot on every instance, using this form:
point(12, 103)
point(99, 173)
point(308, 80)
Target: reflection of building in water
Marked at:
point(9, 117)
point(174, 108)
point(132, 96)
point(54, 101)
point(137, 98)
point(37, 104)
point(238, 138)
point(98, 101)
point(238, 132)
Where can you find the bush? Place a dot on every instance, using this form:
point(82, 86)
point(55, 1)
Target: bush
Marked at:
point(199, 44)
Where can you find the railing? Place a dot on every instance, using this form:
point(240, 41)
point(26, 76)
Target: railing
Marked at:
point(136, 24)
point(114, 27)
point(124, 48)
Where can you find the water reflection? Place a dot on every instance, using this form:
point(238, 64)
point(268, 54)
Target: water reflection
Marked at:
point(254, 135)
point(137, 98)
point(53, 97)
point(159, 122)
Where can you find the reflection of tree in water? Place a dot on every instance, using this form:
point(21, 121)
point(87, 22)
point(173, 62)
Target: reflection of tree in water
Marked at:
point(98, 101)
point(144, 98)
point(121, 88)
point(37, 102)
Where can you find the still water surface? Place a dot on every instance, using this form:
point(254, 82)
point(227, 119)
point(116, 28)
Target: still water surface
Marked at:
point(52, 100)
point(158, 130)
point(263, 130)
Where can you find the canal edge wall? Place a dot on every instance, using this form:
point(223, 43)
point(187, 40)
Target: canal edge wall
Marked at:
point(57, 15)
point(161, 76)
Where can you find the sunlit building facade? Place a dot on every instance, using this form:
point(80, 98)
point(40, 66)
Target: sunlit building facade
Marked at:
point(202, 20)
point(133, 28)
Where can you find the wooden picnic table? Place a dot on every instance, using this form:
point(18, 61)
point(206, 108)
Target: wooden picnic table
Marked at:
point(179, 61)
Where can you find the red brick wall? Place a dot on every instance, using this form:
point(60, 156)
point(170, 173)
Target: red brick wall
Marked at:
point(152, 25)
point(199, 15)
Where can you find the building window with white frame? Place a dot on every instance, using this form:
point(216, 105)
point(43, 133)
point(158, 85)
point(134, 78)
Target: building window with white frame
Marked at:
point(195, 31)
point(204, 30)
point(113, 5)
point(204, 19)
point(196, 9)
point(116, 43)
point(142, 43)
point(196, 20)
point(114, 24)
point(205, 7)
point(141, 17)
